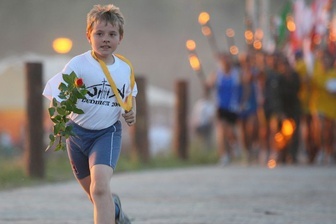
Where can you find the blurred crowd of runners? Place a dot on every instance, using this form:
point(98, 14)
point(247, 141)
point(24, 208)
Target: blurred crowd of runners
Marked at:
point(270, 108)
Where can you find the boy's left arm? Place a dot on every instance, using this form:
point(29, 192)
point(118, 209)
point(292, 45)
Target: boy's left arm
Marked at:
point(130, 116)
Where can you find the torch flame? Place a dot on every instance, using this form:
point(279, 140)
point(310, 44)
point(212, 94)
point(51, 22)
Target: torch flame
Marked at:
point(271, 164)
point(230, 32)
point(234, 50)
point(291, 24)
point(248, 35)
point(191, 45)
point(194, 62)
point(206, 31)
point(203, 18)
point(288, 127)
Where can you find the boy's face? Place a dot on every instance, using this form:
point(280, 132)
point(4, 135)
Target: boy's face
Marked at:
point(104, 39)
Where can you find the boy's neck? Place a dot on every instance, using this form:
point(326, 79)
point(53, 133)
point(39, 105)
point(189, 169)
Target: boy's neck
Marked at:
point(107, 60)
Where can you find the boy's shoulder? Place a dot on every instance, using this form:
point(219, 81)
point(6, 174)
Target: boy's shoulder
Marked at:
point(124, 59)
point(126, 62)
point(80, 60)
point(82, 56)
point(121, 57)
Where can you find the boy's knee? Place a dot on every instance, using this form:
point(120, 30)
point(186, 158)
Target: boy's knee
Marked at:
point(99, 190)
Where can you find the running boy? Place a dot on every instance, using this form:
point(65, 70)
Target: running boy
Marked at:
point(95, 148)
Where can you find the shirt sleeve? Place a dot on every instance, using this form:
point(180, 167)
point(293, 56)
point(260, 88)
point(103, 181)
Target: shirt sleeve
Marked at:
point(51, 88)
point(135, 90)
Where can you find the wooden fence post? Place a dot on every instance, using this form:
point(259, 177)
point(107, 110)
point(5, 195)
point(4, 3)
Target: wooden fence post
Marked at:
point(139, 132)
point(181, 140)
point(34, 157)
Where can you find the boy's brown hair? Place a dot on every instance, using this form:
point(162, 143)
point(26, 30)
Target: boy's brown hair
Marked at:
point(106, 13)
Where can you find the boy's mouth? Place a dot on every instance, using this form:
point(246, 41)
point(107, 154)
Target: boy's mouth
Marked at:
point(105, 47)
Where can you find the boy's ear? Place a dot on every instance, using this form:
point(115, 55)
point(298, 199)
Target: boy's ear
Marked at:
point(88, 37)
point(120, 38)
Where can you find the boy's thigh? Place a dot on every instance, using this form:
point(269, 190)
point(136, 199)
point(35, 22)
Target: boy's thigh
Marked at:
point(101, 174)
point(106, 149)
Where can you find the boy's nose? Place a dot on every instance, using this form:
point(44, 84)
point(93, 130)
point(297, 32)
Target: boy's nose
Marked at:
point(106, 38)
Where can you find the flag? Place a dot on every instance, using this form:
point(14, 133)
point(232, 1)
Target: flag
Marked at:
point(303, 20)
point(282, 29)
point(321, 15)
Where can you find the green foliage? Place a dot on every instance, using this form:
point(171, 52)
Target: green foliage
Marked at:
point(12, 172)
point(58, 167)
point(72, 90)
point(167, 161)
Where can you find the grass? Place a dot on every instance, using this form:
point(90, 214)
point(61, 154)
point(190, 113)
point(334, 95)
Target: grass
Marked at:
point(12, 172)
point(57, 167)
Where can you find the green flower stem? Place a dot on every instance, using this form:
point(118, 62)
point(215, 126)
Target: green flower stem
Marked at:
point(70, 92)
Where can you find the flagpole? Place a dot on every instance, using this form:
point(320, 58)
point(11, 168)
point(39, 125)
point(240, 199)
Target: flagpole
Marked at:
point(265, 22)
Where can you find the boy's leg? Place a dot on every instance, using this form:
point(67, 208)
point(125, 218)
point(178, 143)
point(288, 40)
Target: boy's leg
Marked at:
point(104, 210)
point(96, 180)
point(85, 183)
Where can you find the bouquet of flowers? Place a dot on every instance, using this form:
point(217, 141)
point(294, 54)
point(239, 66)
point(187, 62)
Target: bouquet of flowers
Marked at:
point(70, 91)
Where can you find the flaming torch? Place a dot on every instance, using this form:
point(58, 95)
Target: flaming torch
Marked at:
point(258, 37)
point(230, 33)
point(194, 60)
point(204, 21)
point(282, 137)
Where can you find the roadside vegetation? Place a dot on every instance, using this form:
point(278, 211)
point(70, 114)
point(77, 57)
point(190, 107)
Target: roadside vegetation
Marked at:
point(57, 168)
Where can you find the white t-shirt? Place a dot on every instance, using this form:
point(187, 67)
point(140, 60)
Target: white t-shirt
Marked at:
point(101, 109)
point(203, 113)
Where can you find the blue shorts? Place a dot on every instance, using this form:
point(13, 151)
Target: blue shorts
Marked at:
point(91, 147)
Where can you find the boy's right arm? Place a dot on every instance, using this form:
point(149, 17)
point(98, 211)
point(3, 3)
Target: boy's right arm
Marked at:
point(51, 88)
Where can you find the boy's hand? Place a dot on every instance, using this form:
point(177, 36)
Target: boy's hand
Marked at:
point(129, 117)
